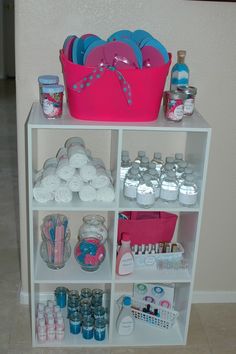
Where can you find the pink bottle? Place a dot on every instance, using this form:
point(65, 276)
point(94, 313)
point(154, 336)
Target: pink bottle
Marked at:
point(125, 259)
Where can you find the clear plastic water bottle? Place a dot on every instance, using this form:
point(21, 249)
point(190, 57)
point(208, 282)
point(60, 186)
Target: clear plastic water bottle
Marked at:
point(188, 191)
point(171, 160)
point(131, 183)
point(157, 160)
point(155, 182)
point(141, 154)
point(187, 171)
point(169, 187)
point(166, 168)
point(178, 157)
point(145, 192)
point(180, 169)
point(124, 168)
point(144, 164)
point(151, 166)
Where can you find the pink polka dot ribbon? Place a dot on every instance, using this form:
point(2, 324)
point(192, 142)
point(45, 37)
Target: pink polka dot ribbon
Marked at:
point(96, 74)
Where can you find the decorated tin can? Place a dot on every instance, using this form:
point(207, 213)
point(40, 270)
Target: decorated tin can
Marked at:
point(52, 101)
point(174, 105)
point(189, 102)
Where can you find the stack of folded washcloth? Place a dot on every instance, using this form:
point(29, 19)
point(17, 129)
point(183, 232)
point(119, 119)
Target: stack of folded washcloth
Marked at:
point(73, 170)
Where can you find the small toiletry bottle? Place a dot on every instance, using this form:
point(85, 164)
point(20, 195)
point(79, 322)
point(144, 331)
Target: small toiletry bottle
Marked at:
point(169, 187)
point(179, 72)
point(125, 319)
point(188, 191)
point(157, 160)
point(145, 192)
point(125, 259)
point(144, 164)
point(124, 168)
point(131, 183)
point(141, 154)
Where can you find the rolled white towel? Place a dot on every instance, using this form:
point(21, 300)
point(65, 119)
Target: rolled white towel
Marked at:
point(49, 179)
point(106, 194)
point(76, 183)
point(101, 179)
point(77, 140)
point(42, 194)
point(87, 193)
point(63, 193)
point(77, 156)
point(88, 171)
point(64, 170)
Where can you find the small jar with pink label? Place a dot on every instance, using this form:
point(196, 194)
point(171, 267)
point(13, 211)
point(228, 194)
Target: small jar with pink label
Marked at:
point(174, 105)
point(52, 101)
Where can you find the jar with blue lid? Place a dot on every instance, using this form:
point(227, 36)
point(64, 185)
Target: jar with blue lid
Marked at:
point(100, 329)
point(52, 100)
point(75, 323)
point(46, 80)
point(88, 328)
point(61, 296)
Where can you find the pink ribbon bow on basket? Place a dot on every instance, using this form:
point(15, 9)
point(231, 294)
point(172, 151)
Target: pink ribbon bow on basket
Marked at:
point(96, 74)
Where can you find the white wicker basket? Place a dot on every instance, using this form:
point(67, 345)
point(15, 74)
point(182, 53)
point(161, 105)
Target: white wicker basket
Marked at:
point(165, 319)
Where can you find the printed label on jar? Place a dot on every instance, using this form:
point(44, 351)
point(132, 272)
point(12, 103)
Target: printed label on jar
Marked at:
point(146, 199)
point(187, 199)
point(169, 195)
point(130, 191)
point(188, 106)
point(175, 110)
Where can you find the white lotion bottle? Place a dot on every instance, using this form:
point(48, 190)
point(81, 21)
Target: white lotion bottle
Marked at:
point(125, 319)
point(125, 259)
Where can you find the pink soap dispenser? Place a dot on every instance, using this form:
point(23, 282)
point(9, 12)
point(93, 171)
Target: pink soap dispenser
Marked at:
point(125, 259)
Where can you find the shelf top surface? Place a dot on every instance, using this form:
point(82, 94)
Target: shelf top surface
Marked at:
point(37, 120)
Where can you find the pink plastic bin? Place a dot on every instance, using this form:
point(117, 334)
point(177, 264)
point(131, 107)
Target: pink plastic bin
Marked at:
point(147, 227)
point(105, 101)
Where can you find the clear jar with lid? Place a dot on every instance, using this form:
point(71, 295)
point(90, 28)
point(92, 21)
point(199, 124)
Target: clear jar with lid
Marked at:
point(93, 226)
point(169, 187)
point(188, 191)
point(145, 192)
point(174, 109)
point(189, 102)
point(45, 80)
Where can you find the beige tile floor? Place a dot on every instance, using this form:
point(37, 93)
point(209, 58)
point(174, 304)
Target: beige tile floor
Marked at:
point(212, 326)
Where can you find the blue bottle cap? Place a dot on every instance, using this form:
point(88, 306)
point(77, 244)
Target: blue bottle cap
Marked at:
point(48, 79)
point(53, 89)
point(127, 301)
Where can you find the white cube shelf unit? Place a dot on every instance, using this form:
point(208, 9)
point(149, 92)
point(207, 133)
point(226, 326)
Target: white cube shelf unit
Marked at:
point(106, 140)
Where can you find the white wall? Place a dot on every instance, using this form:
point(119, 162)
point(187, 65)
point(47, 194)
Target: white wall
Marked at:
point(207, 31)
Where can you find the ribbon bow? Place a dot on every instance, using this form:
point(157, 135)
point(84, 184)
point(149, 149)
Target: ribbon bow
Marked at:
point(96, 74)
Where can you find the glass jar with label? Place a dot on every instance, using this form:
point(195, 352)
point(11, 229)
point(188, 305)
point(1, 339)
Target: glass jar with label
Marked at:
point(52, 101)
point(45, 80)
point(174, 108)
point(100, 329)
point(189, 102)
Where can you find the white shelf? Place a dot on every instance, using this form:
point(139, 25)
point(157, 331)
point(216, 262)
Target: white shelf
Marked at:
point(72, 272)
point(75, 205)
point(193, 139)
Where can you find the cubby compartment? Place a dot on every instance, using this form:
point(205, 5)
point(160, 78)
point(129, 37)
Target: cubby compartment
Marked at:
point(106, 140)
point(46, 292)
point(146, 334)
point(72, 271)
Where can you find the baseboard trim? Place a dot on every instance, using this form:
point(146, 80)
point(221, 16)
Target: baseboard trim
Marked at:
point(199, 297)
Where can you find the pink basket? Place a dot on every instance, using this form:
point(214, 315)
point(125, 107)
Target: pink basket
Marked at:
point(146, 227)
point(105, 101)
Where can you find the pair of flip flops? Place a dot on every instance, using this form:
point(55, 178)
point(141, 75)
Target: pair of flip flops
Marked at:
point(123, 50)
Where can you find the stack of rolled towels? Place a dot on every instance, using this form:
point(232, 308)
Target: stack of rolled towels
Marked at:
point(73, 170)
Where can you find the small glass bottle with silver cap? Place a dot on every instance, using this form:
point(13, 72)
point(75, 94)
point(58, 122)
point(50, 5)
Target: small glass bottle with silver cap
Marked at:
point(187, 171)
point(166, 168)
point(180, 168)
point(178, 157)
point(157, 160)
point(188, 191)
point(145, 192)
point(131, 183)
point(169, 187)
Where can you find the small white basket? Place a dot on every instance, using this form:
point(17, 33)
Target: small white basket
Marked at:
point(165, 319)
